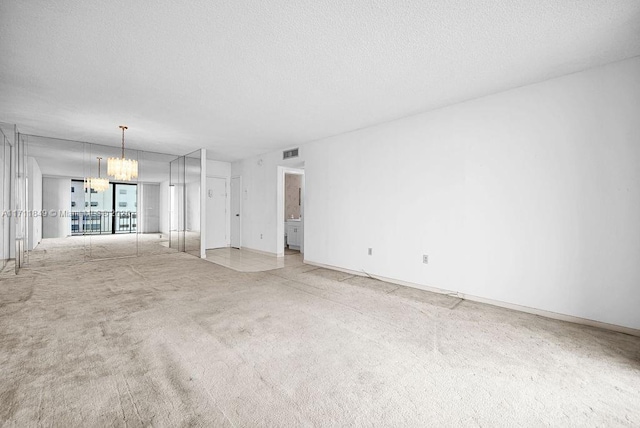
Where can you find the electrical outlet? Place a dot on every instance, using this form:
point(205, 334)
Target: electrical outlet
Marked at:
point(425, 259)
point(370, 251)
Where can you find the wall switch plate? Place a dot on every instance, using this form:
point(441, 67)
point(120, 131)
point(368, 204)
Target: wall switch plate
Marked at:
point(425, 259)
point(370, 251)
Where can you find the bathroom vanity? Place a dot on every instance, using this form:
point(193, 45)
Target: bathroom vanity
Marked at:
point(293, 229)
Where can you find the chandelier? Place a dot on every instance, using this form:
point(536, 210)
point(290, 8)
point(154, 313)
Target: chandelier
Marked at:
point(122, 169)
point(98, 183)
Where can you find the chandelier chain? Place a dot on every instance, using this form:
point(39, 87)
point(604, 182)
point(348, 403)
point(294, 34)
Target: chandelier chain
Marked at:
point(123, 128)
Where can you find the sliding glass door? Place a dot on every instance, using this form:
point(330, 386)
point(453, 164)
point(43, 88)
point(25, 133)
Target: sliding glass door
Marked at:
point(125, 208)
point(91, 211)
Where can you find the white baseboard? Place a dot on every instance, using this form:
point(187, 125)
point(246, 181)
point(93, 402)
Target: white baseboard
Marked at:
point(266, 253)
point(252, 250)
point(512, 306)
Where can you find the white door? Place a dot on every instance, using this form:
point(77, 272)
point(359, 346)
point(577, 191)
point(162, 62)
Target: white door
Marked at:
point(236, 208)
point(216, 212)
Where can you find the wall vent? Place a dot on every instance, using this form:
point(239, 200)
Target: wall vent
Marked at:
point(287, 154)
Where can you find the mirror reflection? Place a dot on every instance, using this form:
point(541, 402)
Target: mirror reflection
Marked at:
point(192, 188)
point(5, 196)
point(87, 214)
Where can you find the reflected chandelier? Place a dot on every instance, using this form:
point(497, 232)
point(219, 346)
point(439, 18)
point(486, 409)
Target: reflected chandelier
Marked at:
point(98, 183)
point(122, 169)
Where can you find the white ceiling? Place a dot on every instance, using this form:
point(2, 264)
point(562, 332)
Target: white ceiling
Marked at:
point(242, 77)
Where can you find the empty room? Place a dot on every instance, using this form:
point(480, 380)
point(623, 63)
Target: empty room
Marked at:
point(362, 213)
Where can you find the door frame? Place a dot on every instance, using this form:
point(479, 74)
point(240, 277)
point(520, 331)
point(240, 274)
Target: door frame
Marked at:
point(239, 178)
point(282, 170)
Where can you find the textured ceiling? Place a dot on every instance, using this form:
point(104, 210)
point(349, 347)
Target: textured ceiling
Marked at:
point(245, 77)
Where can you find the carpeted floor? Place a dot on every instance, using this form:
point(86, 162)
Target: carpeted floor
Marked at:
point(172, 340)
point(75, 249)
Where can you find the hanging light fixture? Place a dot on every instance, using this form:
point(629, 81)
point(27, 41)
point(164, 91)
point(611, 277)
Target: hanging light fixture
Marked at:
point(122, 169)
point(98, 183)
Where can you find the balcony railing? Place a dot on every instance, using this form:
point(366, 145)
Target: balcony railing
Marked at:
point(101, 222)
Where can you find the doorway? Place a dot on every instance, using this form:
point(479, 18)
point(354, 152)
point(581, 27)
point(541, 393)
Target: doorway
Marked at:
point(216, 229)
point(291, 222)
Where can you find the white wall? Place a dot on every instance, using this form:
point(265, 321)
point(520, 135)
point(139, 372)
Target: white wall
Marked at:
point(34, 203)
point(218, 168)
point(56, 195)
point(260, 181)
point(530, 197)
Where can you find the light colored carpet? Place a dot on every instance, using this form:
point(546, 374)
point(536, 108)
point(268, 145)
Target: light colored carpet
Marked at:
point(78, 249)
point(172, 340)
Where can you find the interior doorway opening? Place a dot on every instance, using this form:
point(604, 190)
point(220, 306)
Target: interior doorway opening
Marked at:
point(291, 222)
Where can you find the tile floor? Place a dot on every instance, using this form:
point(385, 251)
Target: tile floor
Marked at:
point(250, 261)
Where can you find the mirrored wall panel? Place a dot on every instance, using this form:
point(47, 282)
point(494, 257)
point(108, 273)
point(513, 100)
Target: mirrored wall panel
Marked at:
point(177, 203)
point(61, 166)
point(110, 209)
point(6, 138)
point(154, 209)
point(192, 185)
point(20, 198)
point(86, 213)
